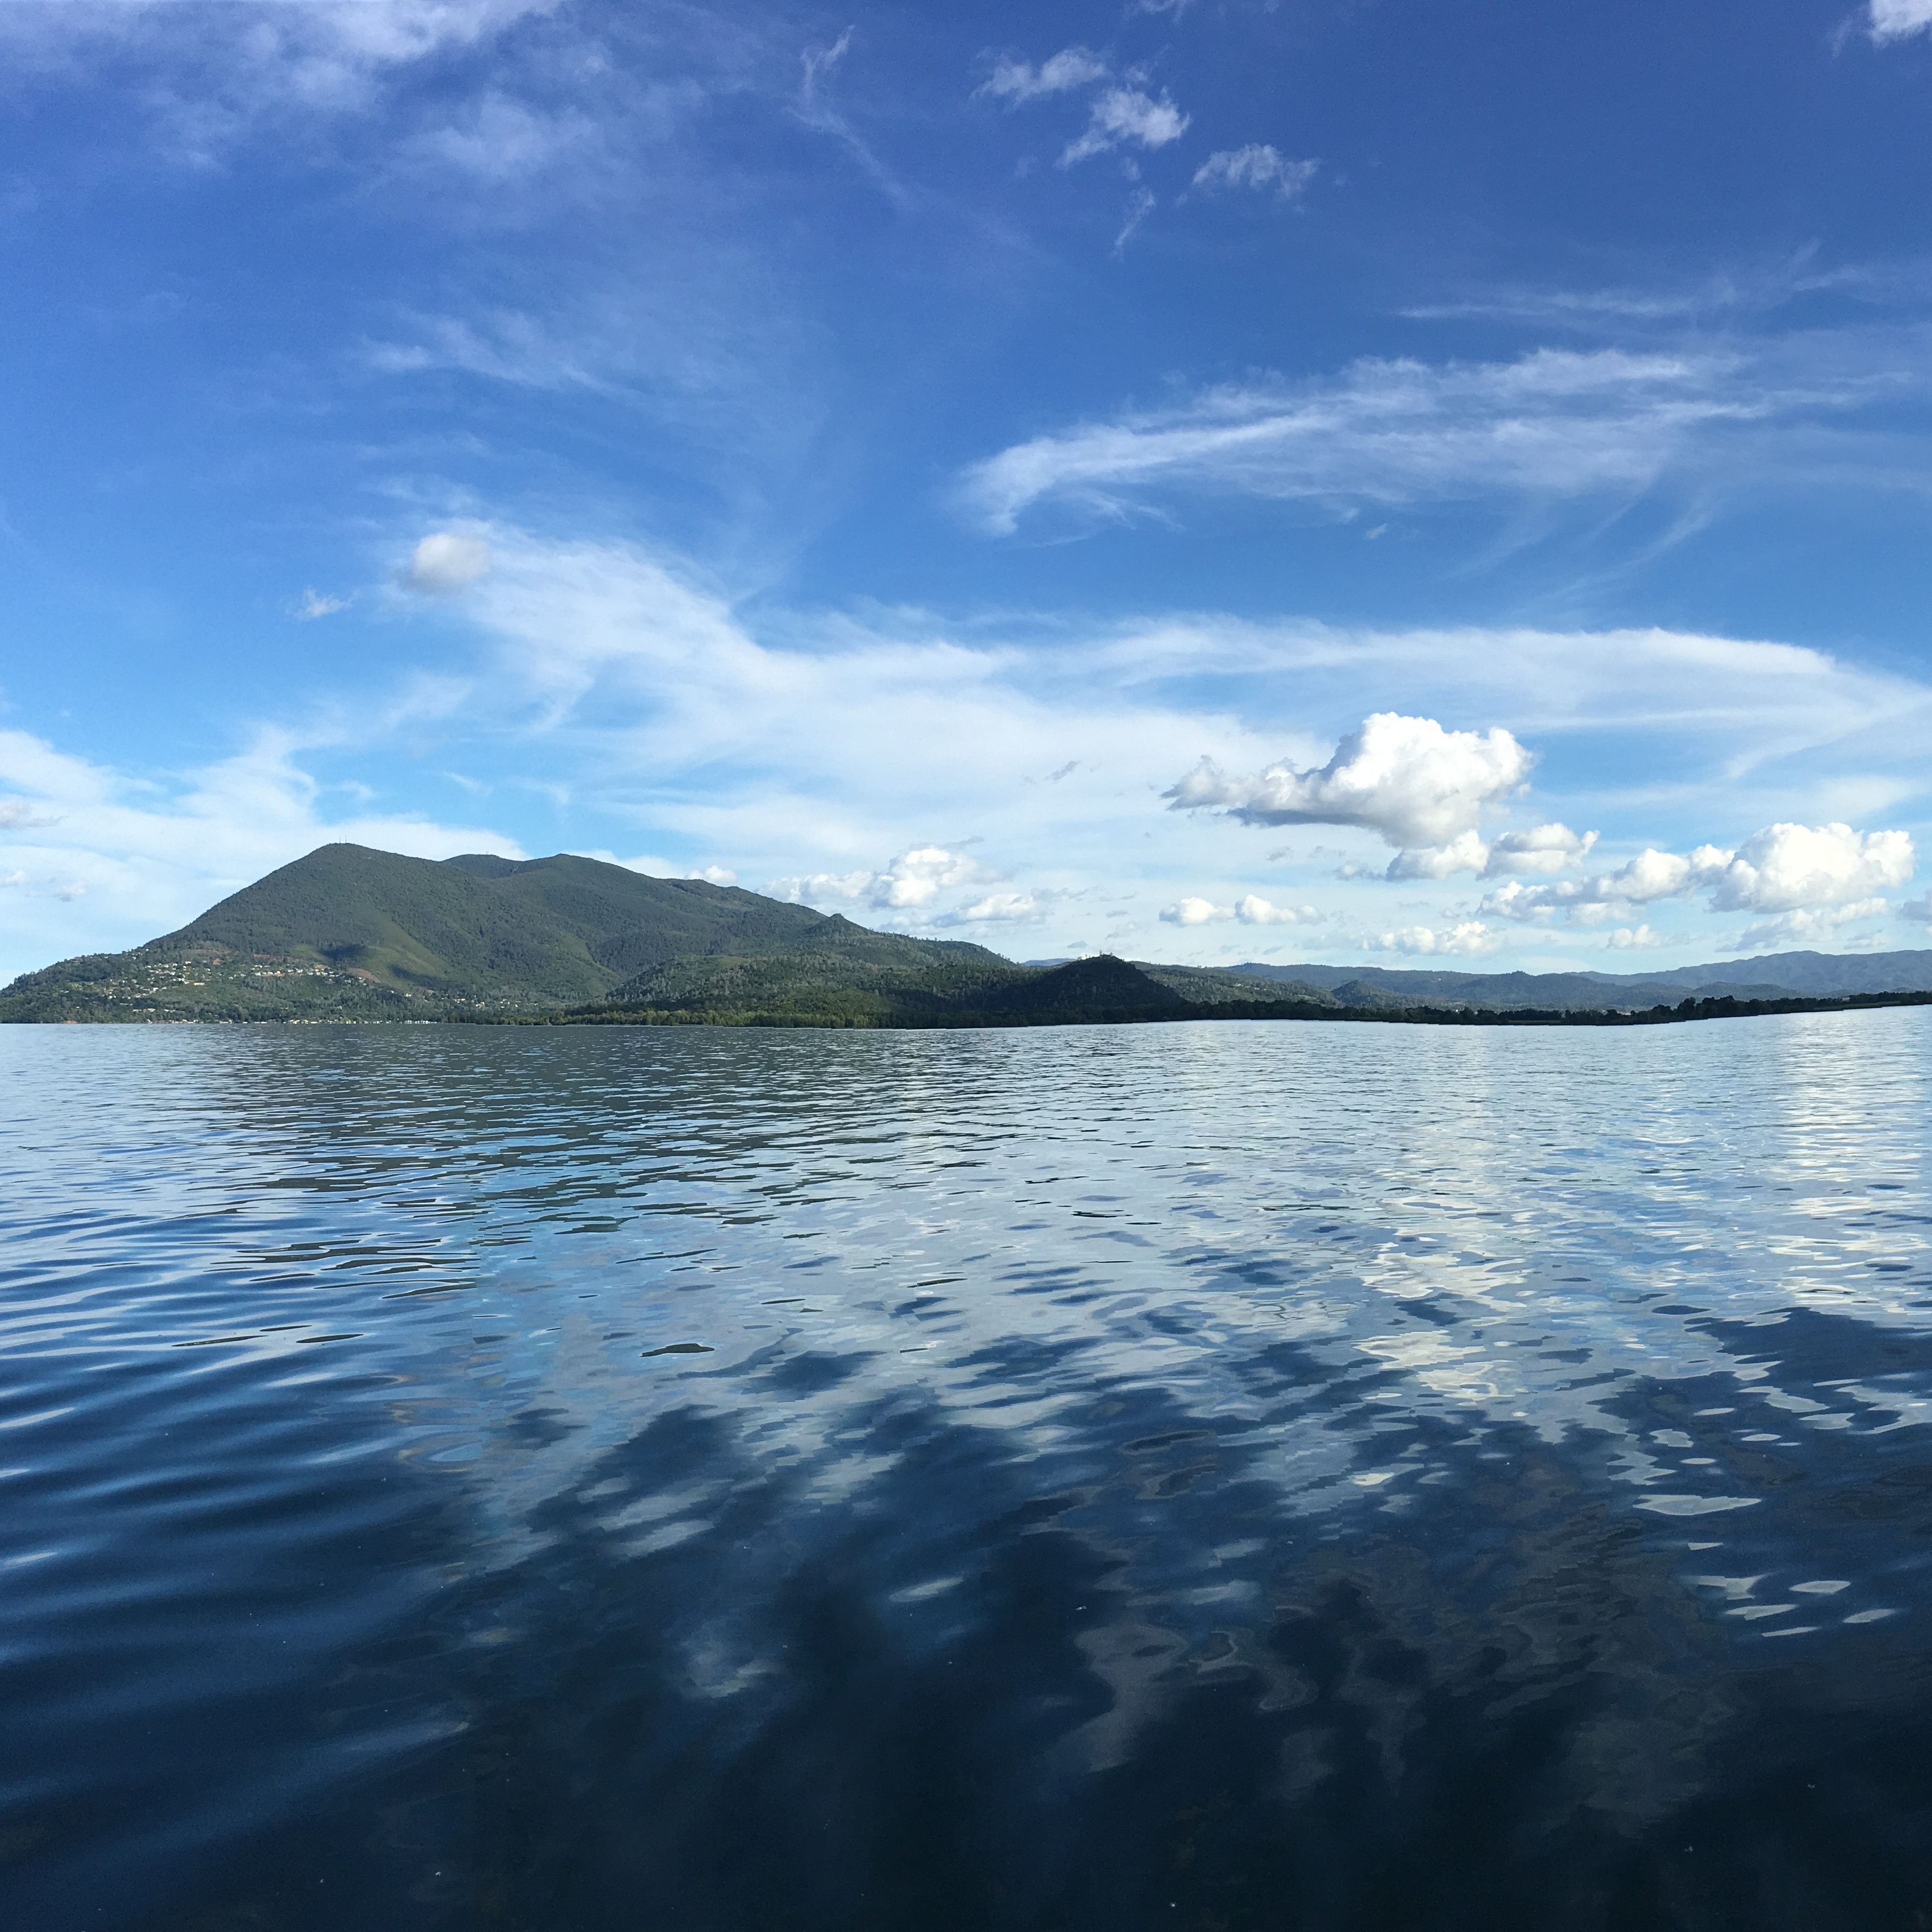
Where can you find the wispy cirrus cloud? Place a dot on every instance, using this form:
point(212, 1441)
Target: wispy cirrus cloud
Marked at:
point(1552, 425)
point(206, 77)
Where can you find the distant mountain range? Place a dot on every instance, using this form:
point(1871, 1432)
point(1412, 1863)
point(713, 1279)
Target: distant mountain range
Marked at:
point(350, 934)
point(1825, 975)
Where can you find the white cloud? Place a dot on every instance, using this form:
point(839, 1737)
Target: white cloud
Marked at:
point(1650, 876)
point(716, 875)
point(1789, 868)
point(1919, 909)
point(446, 562)
point(1809, 874)
point(1004, 906)
point(1555, 424)
point(1465, 853)
point(672, 725)
point(1124, 114)
point(1896, 20)
point(1469, 939)
point(1257, 165)
point(1406, 779)
point(314, 604)
point(1140, 206)
point(213, 74)
point(1542, 848)
point(1194, 912)
point(1253, 910)
point(913, 881)
point(1626, 937)
point(1810, 926)
point(1015, 81)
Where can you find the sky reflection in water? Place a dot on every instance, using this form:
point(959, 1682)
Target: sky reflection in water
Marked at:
point(1203, 1475)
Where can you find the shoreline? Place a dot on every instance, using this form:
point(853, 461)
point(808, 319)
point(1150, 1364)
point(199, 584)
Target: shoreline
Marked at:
point(1284, 1010)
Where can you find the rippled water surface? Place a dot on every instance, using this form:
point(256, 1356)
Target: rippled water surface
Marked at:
point(1204, 1476)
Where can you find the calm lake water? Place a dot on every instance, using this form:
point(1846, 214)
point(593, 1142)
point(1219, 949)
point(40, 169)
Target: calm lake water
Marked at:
point(1214, 1476)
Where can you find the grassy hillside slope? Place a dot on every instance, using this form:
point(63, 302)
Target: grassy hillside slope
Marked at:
point(348, 933)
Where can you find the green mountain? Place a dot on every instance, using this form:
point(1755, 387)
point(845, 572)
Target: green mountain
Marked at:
point(347, 933)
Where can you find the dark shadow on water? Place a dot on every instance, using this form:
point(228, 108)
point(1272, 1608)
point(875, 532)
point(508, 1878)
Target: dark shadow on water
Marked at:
point(743, 1686)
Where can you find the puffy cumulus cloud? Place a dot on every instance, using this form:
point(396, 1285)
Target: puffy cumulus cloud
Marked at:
point(1018, 81)
point(1793, 868)
point(1650, 876)
point(1542, 848)
point(1194, 912)
point(1802, 872)
point(447, 561)
point(1125, 114)
point(1407, 779)
point(1626, 938)
point(1253, 910)
point(911, 883)
point(1257, 166)
point(1898, 19)
point(1464, 853)
point(1468, 939)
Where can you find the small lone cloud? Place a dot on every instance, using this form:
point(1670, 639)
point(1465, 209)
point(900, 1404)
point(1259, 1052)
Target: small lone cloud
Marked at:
point(445, 561)
point(1257, 167)
point(314, 604)
point(1015, 81)
point(1122, 114)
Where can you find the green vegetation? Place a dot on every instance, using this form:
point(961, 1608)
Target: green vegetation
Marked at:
point(349, 934)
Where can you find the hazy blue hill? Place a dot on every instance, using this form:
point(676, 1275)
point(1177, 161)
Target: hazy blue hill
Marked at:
point(1399, 985)
point(348, 933)
point(1821, 974)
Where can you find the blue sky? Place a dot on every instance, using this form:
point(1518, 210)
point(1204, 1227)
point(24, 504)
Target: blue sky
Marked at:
point(1386, 481)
